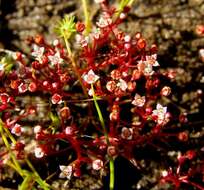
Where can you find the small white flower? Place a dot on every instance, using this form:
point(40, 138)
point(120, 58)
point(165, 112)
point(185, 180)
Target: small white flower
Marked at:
point(127, 38)
point(202, 79)
point(55, 42)
point(69, 130)
point(104, 22)
point(90, 92)
point(161, 113)
point(55, 59)
point(201, 54)
point(85, 41)
point(66, 171)
point(56, 99)
point(38, 52)
point(99, 1)
point(139, 100)
point(37, 129)
point(22, 88)
point(127, 133)
point(90, 77)
point(111, 85)
point(148, 69)
point(165, 91)
point(16, 130)
point(39, 152)
point(122, 85)
point(97, 164)
point(1, 67)
point(152, 59)
point(164, 173)
point(122, 16)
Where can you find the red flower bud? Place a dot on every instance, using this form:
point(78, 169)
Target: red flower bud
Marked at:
point(80, 27)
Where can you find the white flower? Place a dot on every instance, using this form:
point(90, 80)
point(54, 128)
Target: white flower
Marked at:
point(111, 85)
point(22, 88)
point(164, 173)
point(99, 1)
point(55, 42)
point(148, 69)
point(37, 129)
point(103, 22)
point(66, 171)
point(1, 67)
point(152, 59)
point(161, 113)
point(90, 77)
point(201, 54)
point(127, 133)
point(55, 59)
point(202, 79)
point(147, 66)
point(97, 164)
point(90, 92)
point(16, 130)
point(122, 85)
point(38, 52)
point(138, 100)
point(39, 152)
point(165, 91)
point(122, 16)
point(69, 130)
point(127, 38)
point(56, 99)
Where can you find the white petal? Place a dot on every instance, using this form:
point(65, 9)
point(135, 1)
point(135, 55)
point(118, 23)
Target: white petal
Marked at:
point(62, 167)
point(156, 64)
point(62, 175)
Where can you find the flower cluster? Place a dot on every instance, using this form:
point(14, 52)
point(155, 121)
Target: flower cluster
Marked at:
point(120, 74)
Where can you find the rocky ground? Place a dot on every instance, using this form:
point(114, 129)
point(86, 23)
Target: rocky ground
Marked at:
point(169, 24)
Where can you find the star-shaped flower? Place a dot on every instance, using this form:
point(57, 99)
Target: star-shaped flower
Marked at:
point(122, 84)
point(66, 171)
point(17, 130)
point(90, 77)
point(138, 100)
point(160, 113)
point(152, 59)
point(97, 164)
point(39, 153)
point(38, 52)
point(55, 59)
point(127, 133)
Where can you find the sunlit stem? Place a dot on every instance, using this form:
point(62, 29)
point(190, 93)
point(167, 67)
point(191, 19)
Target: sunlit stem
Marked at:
point(8, 147)
point(87, 17)
point(74, 66)
point(100, 116)
point(122, 4)
point(15, 165)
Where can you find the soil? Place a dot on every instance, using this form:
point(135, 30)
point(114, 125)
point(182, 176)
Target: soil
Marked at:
point(169, 24)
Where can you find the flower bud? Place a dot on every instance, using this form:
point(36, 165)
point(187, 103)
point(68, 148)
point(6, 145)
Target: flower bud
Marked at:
point(165, 91)
point(80, 27)
point(183, 136)
point(32, 87)
point(141, 43)
point(65, 113)
point(112, 151)
point(97, 164)
point(56, 99)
